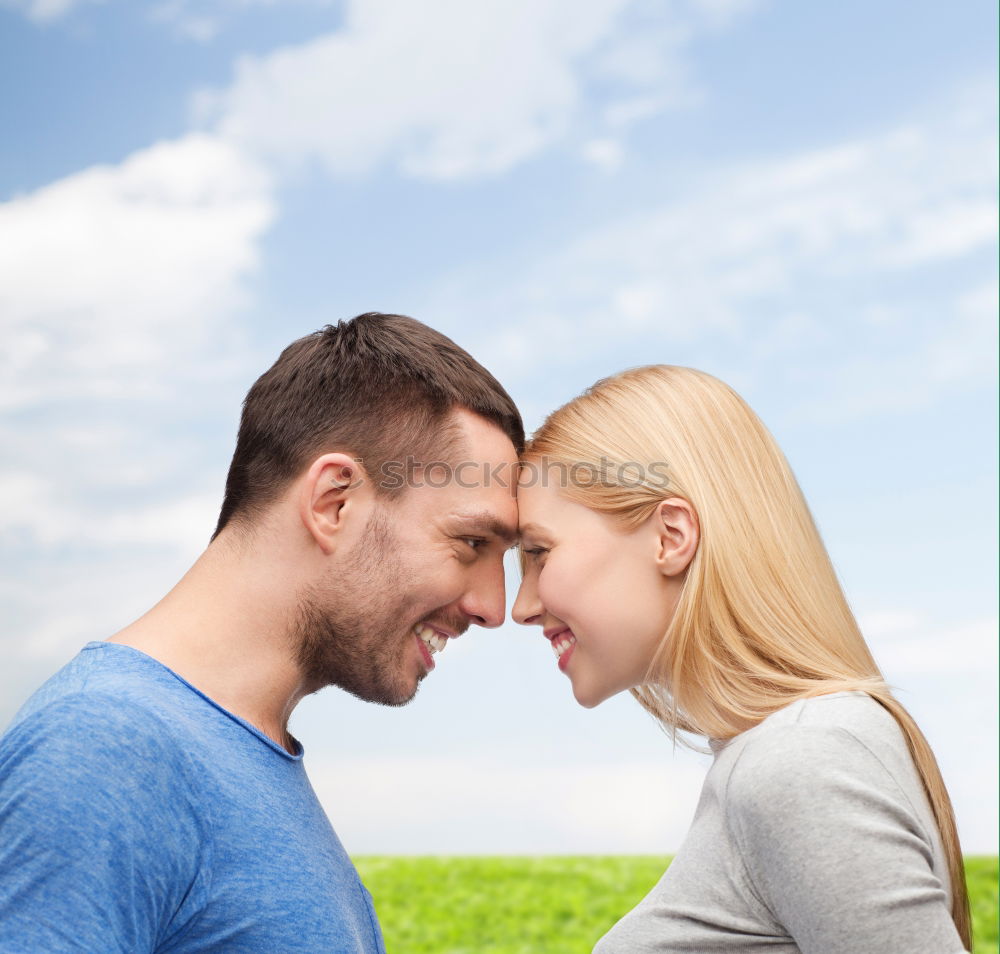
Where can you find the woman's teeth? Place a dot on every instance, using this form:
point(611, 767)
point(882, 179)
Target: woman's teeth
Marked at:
point(432, 640)
point(561, 644)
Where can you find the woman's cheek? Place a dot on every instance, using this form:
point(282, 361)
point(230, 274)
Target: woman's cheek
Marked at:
point(554, 589)
point(578, 602)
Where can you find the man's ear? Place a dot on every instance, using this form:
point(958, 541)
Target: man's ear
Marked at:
point(677, 535)
point(334, 487)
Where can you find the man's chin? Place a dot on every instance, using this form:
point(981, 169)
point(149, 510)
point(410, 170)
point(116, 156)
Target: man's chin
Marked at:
point(394, 697)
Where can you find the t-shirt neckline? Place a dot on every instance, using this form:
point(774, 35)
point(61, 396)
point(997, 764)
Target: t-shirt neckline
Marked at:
point(104, 645)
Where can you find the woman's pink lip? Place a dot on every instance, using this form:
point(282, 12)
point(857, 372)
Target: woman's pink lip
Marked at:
point(563, 660)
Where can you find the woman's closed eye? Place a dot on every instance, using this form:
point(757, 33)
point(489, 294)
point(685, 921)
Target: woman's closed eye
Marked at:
point(535, 551)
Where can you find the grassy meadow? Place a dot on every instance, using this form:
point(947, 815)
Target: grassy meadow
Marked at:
point(548, 905)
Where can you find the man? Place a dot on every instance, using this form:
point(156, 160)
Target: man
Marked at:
point(151, 796)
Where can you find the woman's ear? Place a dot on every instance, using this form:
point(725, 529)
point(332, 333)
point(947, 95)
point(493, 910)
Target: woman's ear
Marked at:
point(332, 491)
point(677, 531)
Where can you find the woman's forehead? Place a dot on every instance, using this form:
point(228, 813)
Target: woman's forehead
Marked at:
point(541, 505)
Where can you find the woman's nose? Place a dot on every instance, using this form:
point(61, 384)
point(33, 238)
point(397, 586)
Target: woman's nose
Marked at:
point(527, 607)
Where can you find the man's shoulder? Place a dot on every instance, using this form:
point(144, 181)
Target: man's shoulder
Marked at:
point(101, 714)
point(104, 828)
point(101, 691)
point(92, 710)
point(92, 733)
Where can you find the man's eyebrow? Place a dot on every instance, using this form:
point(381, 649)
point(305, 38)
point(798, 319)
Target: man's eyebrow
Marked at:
point(487, 524)
point(531, 528)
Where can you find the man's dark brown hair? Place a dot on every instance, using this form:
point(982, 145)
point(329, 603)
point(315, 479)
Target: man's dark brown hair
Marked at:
point(378, 387)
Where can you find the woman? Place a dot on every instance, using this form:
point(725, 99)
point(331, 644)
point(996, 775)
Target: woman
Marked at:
point(667, 549)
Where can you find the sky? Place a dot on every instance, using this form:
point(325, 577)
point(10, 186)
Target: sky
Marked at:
point(799, 198)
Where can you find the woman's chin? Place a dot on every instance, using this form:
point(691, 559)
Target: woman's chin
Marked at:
point(590, 696)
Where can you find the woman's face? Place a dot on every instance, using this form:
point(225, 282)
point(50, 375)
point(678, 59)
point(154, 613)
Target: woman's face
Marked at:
point(603, 597)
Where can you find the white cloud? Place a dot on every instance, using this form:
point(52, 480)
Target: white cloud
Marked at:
point(721, 13)
point(108, 272)
point(951, 229)
point(954, 351)
point(648, 56)
point(380, 805)
point(432, 87)
point(910, 647)
point(945, 673)
point(791, 257)
point(447, 89)
point(50, 614)
point(48, 512)
point(203, 20)
point(606, 154)
point(625, 112)
point(198, 20)
point(118, 293)
point(45, 11)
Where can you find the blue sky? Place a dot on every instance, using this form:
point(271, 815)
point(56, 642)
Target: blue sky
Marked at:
point(799, 198)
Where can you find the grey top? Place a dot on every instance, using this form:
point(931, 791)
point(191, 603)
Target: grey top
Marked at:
point(812, 835)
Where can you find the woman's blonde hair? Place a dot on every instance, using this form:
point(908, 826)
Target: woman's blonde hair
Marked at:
point(761, 620)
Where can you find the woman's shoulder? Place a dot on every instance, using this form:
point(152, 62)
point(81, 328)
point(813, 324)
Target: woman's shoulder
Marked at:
point(817, 738)
point(842, 749)
point(855, 712)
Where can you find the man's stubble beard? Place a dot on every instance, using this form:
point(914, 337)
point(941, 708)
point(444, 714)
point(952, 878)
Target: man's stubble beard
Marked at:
point(348, 634)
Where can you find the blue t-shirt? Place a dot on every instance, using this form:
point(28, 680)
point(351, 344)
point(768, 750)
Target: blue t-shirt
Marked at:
point(138, 816)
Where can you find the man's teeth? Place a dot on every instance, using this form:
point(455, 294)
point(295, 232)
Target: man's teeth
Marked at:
point(432, 640)
point(561, 644)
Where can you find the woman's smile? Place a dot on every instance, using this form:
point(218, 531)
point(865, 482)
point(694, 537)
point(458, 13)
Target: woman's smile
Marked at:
point(563, 641)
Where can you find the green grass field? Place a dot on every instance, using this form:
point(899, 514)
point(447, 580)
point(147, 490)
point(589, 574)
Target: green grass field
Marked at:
point(553, 905)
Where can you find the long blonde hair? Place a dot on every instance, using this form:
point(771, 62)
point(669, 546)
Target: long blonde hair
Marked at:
point(762, 619)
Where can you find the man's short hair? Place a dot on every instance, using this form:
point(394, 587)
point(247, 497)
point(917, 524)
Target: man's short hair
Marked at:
point(378, 387)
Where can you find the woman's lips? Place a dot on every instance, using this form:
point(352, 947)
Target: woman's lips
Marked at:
point(563, 643)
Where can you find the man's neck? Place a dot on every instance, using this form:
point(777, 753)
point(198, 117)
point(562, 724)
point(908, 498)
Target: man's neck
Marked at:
point(225, 629)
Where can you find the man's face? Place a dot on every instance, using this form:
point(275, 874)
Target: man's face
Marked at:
point(429, 564)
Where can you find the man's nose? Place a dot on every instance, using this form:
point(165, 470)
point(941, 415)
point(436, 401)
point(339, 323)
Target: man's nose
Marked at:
point(486, 602)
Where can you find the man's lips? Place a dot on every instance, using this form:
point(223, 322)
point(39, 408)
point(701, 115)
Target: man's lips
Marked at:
point(446, 633)
point(425, 653)
point(432, 638)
